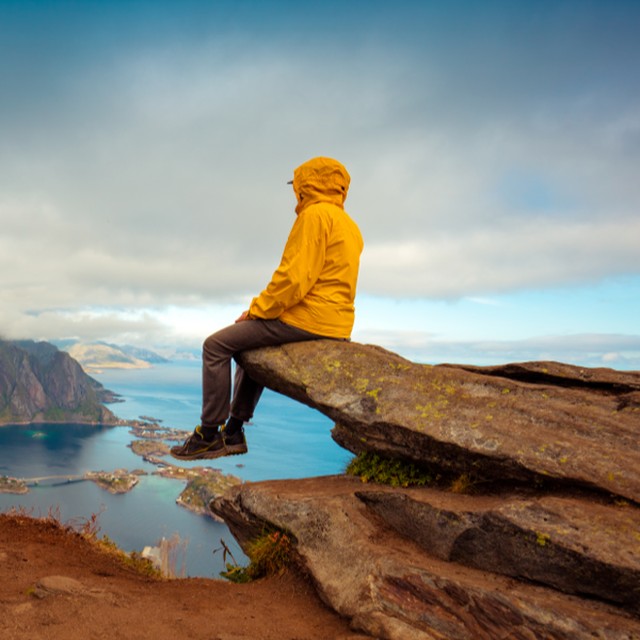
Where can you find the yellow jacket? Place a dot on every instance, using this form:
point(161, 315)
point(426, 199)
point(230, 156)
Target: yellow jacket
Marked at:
point(315, 285)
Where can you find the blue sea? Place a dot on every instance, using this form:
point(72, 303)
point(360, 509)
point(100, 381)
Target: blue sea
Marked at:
point(286, 440)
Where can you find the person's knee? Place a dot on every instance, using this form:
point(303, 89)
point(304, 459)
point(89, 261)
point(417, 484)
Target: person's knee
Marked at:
point(219, 345)
point(211, 345)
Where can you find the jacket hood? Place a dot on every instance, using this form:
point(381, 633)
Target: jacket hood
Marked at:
point(320, 180)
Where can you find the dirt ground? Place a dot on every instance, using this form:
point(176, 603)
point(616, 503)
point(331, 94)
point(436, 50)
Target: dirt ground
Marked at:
point(55, 585)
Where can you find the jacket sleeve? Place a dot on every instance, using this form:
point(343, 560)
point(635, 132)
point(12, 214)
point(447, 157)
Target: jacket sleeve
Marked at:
point(302, 261)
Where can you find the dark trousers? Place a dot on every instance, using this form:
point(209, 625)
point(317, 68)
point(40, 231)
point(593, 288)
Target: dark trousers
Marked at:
point(217, 352)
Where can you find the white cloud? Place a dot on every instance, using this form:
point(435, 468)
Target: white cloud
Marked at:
point(152, 175)
point(509, 255)
point(591, 350)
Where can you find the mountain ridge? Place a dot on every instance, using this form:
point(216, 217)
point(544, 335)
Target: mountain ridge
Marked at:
point(41, 384)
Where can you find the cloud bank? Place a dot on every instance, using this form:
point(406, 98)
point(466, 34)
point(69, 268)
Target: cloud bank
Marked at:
point(144, 153)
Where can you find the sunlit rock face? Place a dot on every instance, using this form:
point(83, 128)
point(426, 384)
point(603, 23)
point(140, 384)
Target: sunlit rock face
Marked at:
point(543, 543)
point(39, 383)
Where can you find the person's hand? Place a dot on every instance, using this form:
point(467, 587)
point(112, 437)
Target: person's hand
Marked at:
point(243, 316)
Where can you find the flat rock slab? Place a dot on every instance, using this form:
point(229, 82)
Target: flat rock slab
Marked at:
point(573, 544)
point(507, 428)
point(389, 587)
point(558, 374)
point(58, 585)
point(66, 586)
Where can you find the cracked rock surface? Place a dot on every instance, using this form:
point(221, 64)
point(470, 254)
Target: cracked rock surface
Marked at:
point(545, 544)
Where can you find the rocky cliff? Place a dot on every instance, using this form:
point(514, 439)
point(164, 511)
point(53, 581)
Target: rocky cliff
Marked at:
point(39, 383)
point(543, 541)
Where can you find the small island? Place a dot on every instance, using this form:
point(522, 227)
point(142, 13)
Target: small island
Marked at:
point(149, 429)
point(118, 481)
point(149, 450)
point(12, 485)
point(203, 484)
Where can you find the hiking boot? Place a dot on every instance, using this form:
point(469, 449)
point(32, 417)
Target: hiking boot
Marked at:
point(235, 442)
point(195, 447)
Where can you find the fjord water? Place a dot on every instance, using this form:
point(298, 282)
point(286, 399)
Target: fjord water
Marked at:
point(286, 440)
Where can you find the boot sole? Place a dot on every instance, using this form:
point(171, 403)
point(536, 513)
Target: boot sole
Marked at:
point(236, 449)
point(230, 450)
point(205, 455)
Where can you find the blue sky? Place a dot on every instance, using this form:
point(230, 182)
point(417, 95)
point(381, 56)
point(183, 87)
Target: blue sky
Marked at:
point(493, 146)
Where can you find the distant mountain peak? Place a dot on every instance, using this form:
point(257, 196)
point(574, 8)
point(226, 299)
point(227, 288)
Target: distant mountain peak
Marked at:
point(97, 356)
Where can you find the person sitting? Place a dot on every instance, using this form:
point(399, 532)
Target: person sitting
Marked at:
point(310, 296)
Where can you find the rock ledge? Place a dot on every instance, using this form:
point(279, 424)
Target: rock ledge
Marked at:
point(547, 546)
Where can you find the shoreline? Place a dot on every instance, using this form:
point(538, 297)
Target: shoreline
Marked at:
point(202, 484)
point(118, 423)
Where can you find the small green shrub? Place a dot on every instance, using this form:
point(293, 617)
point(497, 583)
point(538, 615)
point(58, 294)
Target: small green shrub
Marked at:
point(269, 555)
point(370, 467)
point(461, 484)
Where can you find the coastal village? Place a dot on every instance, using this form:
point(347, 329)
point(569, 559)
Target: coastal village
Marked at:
point(202, 483)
